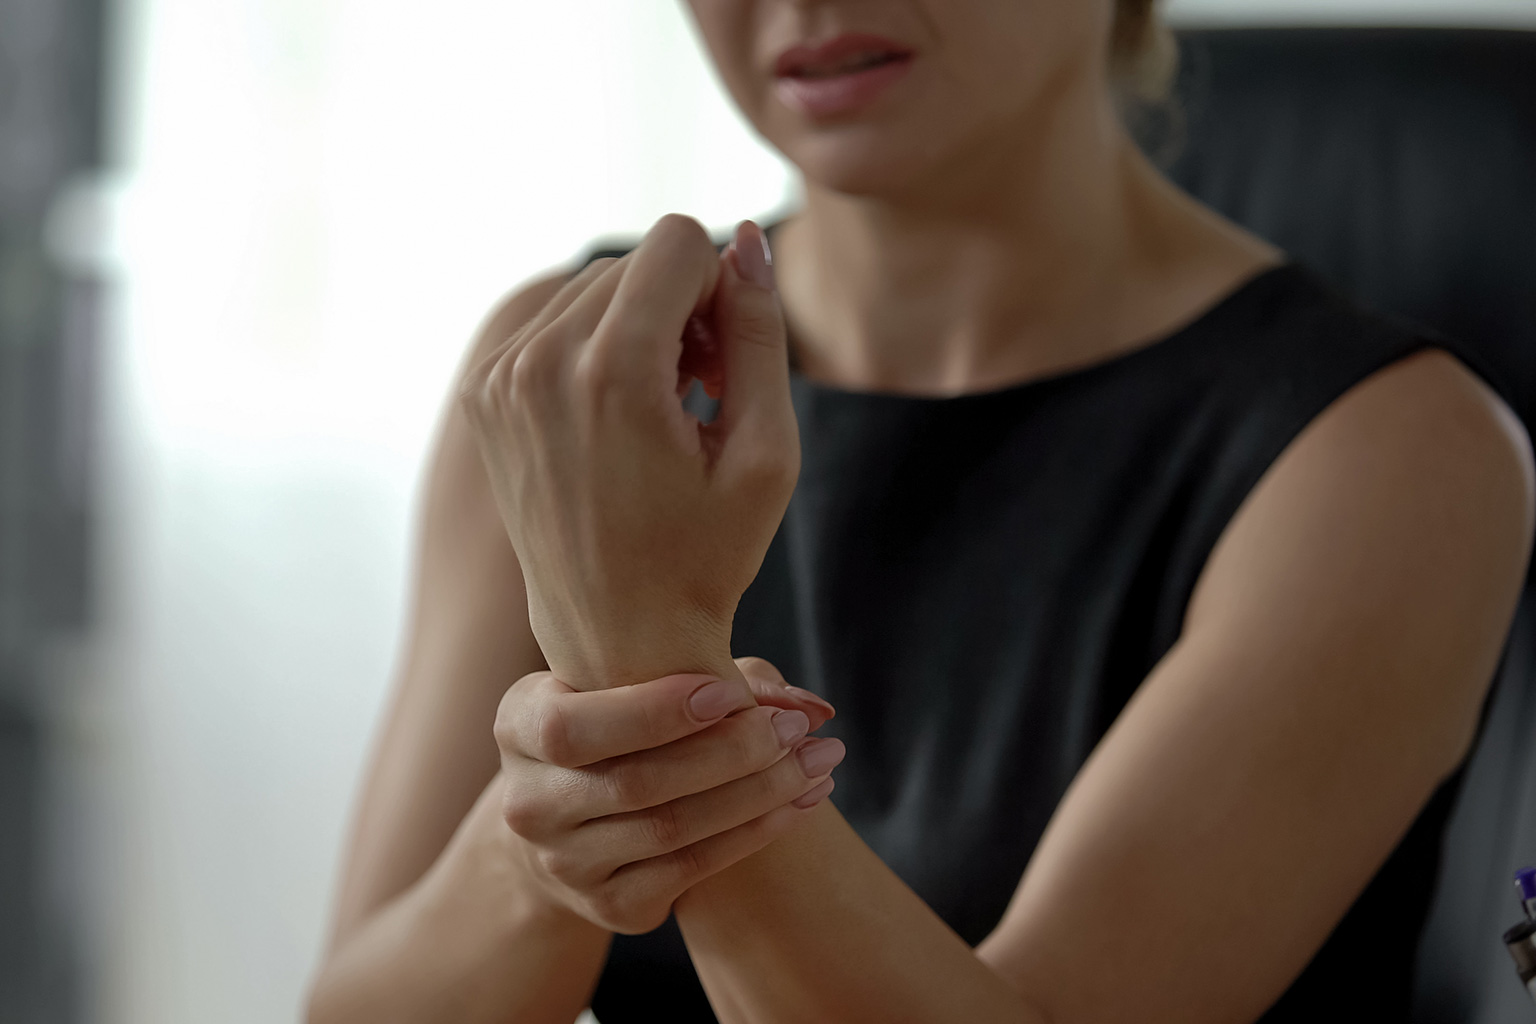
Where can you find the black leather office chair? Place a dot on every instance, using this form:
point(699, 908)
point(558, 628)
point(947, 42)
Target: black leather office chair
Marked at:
point(1401, 165)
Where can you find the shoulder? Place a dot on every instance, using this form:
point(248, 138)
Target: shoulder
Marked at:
point(1425, 429)
point(1340, 383)
point(1386, 547)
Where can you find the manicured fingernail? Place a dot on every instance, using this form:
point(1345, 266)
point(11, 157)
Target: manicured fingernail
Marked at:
point(819, 756)
point(815, 795)
point(807, 695)
point(791, 727)
point(753, 258)
point(714, 699)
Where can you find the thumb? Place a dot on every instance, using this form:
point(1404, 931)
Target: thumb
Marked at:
point(755, 412)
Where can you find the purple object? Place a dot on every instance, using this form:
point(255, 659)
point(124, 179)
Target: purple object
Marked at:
point(1521, 939)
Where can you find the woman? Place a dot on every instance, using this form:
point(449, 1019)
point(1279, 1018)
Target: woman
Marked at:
point(1158, 590)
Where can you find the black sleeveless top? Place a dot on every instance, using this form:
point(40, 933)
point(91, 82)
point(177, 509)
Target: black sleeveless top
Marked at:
point(980, 583)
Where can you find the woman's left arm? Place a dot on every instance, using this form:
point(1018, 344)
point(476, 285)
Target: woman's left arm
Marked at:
point(1330, 674)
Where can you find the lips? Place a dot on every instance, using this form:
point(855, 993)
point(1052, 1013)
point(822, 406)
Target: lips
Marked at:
point(841, 75)
point(844, 54)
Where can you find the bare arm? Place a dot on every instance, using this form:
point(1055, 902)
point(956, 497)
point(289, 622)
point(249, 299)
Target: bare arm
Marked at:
point(486, 926)
point(1333, 662)
point(433, 918)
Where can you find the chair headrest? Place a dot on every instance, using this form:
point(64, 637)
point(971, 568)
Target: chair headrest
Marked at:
point(1398, 163)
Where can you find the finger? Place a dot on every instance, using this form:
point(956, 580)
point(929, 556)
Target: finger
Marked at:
point(701, 356)
point(670, 826)
point(493, 353)
point(741, 745)
point(770, 689)
point(750, 323)
point(542, 800)
point(675, 872)
point(669, 277)
point(543, 719)
point(537, 362)
point(575, 288)
point(575, 323)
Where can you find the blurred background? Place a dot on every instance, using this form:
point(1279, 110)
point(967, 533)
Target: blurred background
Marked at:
point(242, 243)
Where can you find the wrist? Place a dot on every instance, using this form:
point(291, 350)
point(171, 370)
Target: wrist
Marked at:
point(683, 643)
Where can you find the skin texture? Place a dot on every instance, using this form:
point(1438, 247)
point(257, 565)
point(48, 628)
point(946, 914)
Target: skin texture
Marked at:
point(591, 382)
point(984, 223)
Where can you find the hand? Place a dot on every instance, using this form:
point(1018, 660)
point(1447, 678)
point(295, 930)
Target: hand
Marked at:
point(626, 797)
point(638, 527)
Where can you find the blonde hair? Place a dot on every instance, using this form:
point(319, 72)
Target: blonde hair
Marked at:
point(1143, 56)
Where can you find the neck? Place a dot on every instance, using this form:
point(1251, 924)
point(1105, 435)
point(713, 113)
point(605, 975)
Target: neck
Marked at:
point(1007, 262)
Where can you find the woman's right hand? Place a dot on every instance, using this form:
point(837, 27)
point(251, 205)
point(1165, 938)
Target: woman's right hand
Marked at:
point(626, 797)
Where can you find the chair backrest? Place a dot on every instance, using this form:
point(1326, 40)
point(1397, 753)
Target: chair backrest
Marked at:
point(1401, 165)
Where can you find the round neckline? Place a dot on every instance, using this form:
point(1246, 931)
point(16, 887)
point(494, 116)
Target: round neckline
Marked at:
point(1199, 324)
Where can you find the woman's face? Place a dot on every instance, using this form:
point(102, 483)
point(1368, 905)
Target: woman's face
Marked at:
point(868, 96)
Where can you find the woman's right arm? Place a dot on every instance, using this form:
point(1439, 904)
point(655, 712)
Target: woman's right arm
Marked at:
point(437, 917)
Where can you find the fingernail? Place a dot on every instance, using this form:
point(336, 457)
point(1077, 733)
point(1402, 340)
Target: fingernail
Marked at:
point(814, 795)
point(809, 696)
point(817, 757)
point(714, 699)
point(791, 727)
point(755, 261)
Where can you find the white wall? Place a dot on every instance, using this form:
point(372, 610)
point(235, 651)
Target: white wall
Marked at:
point(317, 202)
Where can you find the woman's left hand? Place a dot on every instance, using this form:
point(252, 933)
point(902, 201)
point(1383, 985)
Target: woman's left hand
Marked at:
point(637, 526)
point(623, 799)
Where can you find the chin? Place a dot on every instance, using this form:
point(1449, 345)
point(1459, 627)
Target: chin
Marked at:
point(859, 162)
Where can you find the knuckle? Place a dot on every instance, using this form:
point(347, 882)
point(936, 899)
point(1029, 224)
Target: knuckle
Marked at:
point(531, 375)
point(594, 374)
point(477, 384)
point(478, 397)
point(596, 268)
point(774, 785)
point(753, 743)
point(781, 465)
point(553, 736)
point(555, 863)
point(667, 826)
point(771, 471)
point(472, 387)
point(496, 390)
point(609, 907)
point(691, 863)
point(631, 783)
point(628, 910)
point(523, 813)
point(504, 729)
point(512, 714)
point(611, 338)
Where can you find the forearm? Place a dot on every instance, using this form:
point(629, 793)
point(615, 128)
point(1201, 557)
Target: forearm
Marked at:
point(474, 940)
point(815, 928)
